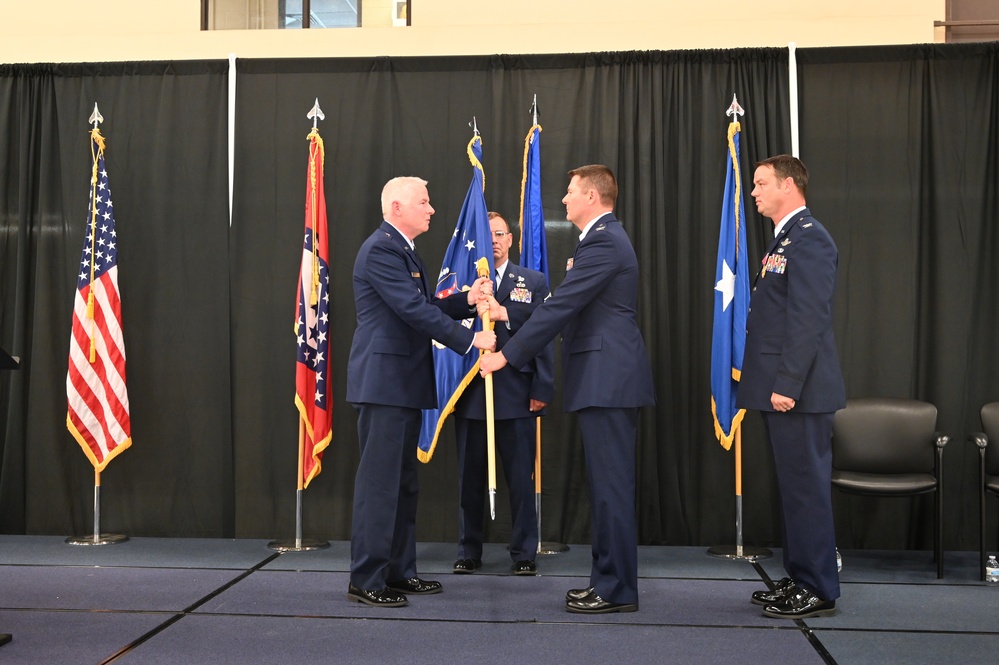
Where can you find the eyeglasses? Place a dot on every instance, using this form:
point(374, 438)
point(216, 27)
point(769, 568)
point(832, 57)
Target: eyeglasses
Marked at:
point(501, 234)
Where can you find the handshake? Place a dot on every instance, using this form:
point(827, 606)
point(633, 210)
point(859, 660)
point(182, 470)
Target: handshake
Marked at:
point(480, 296)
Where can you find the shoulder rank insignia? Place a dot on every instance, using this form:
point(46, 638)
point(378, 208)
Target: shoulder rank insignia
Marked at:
point(601, 227)
point(805, 226)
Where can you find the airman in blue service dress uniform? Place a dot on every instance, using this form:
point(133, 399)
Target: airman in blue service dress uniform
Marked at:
point(390, 378)
point(607, 379)
point(519, 395)
point(791, 374)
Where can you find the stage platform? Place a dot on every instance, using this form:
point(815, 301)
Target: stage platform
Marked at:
point(171, 601)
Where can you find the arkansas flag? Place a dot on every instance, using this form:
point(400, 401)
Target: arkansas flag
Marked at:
point(95, 384)
point(313, 389)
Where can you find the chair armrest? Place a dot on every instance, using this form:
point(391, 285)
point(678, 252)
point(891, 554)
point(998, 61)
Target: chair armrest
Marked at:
point(980, 439)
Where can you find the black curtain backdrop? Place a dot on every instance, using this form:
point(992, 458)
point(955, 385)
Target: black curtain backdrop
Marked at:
point(902, 147)
point(657, 119)
point(165, 126)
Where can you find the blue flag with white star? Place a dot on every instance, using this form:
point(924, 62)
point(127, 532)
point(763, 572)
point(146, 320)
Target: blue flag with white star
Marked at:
point(470, 243)
point(728, 338)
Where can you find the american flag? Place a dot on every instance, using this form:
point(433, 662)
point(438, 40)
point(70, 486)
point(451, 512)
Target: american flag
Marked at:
point(95, 384)
point(313, 388)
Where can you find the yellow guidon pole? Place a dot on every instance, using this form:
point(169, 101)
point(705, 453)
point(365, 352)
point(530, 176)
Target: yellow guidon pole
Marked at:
point(482, 268)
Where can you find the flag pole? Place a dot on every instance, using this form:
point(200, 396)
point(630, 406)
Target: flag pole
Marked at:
point(97, 538)
point(482, 267)
point(536, 259)
point(537, 475)
point(537, 420)
point(300, 544)
point(738, 492)
point(97, 504)
point(739, 551)
point(301, 483)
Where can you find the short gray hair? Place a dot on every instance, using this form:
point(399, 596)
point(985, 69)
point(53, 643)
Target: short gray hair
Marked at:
point(394, 189)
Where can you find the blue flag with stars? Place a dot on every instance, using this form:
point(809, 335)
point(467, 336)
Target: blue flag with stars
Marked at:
point(470, 243)
point(728, 338)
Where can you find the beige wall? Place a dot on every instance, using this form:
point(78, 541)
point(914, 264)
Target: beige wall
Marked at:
point(74, 31)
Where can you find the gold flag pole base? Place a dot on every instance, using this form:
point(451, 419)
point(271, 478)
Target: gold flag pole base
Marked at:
point(97, 539)
point(551, 547)
point(742, 553)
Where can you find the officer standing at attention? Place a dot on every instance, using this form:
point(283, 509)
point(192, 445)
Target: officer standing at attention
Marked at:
point(791, 374)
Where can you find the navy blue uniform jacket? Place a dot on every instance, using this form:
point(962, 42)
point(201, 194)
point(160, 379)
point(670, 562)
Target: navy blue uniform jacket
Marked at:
point(603, 355)
point(522, 291)
point(390, 358)
point(790, 346)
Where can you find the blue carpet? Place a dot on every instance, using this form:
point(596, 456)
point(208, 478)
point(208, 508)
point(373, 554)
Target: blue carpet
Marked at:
point(855, 648)
point(895, 566)
point(136, 552)
point(436, 559)
point(196, 639)
point(148, 589)
point(493, 598)
point(913, 607)
point(67, 638)
point(68, 604)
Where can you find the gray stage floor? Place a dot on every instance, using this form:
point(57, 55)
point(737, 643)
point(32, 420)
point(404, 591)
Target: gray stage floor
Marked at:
point(158, 600)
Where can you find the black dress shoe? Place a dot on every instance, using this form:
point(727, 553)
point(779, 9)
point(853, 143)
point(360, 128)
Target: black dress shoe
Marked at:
point(781, 590)
point(416, 586)
point(381, 598)
point(802, 604)
point(525, 567)
point(466, 566)
point(578, 594)
point(594, 604)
